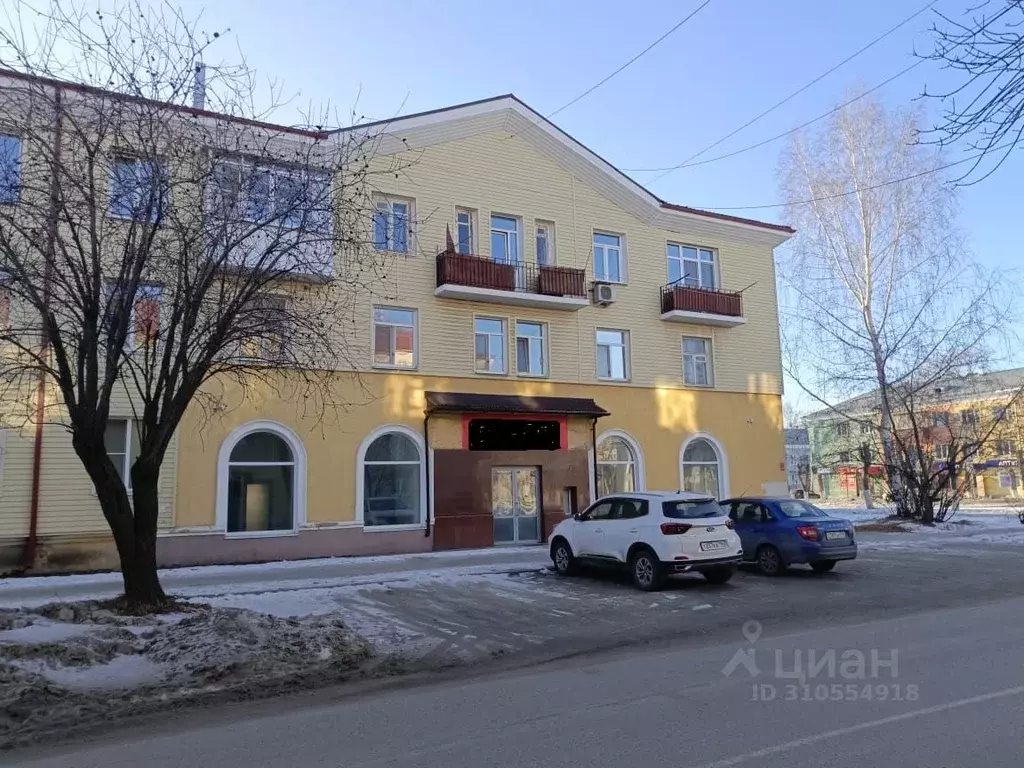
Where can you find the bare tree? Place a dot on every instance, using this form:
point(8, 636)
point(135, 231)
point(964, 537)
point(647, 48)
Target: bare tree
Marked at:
point(878, 292)
point(985, 106)
point(167, 246)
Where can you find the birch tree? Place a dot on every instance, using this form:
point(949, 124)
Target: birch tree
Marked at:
point(878, 291)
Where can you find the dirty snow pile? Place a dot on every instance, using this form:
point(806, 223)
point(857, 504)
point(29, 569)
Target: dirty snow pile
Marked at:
point(63, 664)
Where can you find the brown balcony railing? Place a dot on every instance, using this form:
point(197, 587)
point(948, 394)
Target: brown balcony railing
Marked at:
point(477, 272)
point(689, 298)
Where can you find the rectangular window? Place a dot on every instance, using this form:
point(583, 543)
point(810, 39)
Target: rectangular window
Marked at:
point(613, 355)
point(394, 337)
point(1006, 447)
point(260, 193)
point(268, 322)
point(844, 457)
point(545, 243)
point(608, 258)
point(490, 345)
point(940, 419)
point(969, 418)
point(5, 306)
point(531, 356)
point(138, 190)
point(123, 444)
point(697, 366)
point(843, 429)
point(942, 452)
point(865, 429)
point(505, 239)
point(146, 315)
point(10, 168)
point(998, 413)
point(391, 226)
point(690, 265)
point(465, 242)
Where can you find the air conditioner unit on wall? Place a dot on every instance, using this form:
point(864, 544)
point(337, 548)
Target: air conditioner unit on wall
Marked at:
point(604, 294)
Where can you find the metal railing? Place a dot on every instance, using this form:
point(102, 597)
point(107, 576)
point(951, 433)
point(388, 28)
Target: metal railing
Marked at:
point(476, 272)
point(691, 298)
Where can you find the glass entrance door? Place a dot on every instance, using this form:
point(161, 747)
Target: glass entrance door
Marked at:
point(515, 503)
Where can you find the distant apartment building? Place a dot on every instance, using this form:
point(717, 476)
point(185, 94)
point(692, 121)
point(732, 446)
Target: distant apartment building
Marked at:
point(553, 331)
point(798, 460)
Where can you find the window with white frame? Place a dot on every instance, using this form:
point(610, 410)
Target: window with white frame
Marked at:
point(268, 324)
point(392, 481)
point(612, 354)
point(608, 264)
point(691, 265)
point(139, 189)
point(531, 355)
point(144, 319)
point(10, 168)
point(505, 239)
point(392, 225)
point(261, 480)
point(697, 367)
point(616, 467)
point(123, 442)
point(942, 452)
point(545, 243)
point(465, 242)
point(295, 199)
point(702, 468)
point(489, 345)
point(394, 337)
point(1006, 447)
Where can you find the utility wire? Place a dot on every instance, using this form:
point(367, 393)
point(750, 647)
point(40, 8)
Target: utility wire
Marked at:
point(646, 50)
point(782, 135)
point(798, 91)
point(865, 189)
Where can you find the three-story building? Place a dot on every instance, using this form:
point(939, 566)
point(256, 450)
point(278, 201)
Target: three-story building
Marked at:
point(545, 330)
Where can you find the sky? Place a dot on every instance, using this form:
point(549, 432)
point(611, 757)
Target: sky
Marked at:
point(731, 61)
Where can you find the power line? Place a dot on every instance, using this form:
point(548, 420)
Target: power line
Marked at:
point(782, 135)
point(646, 50)
point(863, 189)
point(798, 91)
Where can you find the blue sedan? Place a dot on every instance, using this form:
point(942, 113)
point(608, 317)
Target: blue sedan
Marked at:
point(777, 533)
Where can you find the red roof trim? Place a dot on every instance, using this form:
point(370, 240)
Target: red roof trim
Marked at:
point(92, 89)
point(726, 217)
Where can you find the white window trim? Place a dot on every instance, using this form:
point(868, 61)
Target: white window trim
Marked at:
point(549, 227)
point(474, 247)
point(623, 262)
point(723, 461)
point(364, 446)
point(627, 355)
point(299, 478)
point(639, 471)
point(125, 466)
point(415, 338)
point(698, 248)
point(709, 356)
point(504, 343)
point(158, 167)
point(518, 233)
point(410, 239)
point(18, 161)
point(544, 345)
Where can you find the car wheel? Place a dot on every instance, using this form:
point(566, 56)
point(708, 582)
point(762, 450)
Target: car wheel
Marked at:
point(719, 574)
point(563, 558)
point(823, 566)
point(769, 561)
point(647, 571)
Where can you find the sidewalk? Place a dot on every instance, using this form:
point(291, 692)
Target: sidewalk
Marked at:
point(277, 576)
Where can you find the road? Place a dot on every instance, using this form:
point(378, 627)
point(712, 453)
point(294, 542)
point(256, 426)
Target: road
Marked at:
point(958, 679)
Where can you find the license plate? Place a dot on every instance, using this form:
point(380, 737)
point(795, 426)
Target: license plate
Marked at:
point(709, 545)
point(833, 535)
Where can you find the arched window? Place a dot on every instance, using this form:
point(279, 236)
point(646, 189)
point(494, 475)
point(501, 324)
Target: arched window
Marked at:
point(616, 466)
point(702, 468)
point(393, 480)
point(261, 488)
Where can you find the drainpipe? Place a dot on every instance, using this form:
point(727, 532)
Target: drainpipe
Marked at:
point(28, 557)
point(426, 462)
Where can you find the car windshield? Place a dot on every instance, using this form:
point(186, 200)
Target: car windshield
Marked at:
point(799, 509)
point(684, 510)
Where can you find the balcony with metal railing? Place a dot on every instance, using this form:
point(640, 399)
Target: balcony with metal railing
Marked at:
point(685, 303)
point(473, 278)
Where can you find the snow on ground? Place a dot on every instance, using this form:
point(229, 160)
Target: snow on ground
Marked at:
point(121, 672)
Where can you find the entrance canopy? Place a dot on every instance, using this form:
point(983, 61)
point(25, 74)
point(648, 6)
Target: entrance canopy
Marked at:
point(465, 402)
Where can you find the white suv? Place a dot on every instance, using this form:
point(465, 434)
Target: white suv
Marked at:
point(655, 534)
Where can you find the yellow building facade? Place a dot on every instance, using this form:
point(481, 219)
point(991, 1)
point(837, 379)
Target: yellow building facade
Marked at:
point(544, 330)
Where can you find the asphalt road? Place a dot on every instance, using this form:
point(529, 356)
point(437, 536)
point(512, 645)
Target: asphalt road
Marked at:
point(955, 697)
